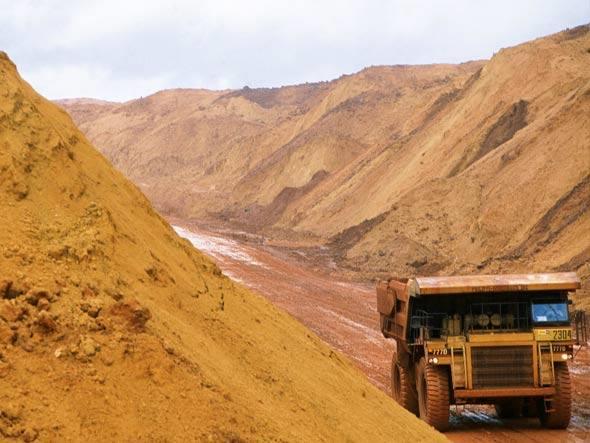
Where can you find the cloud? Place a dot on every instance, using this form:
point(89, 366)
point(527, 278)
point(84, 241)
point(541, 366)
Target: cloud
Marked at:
point(122, 49)
point(71, 81)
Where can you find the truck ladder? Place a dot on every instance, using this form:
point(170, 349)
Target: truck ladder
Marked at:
point(453, 378)
point(541, 347)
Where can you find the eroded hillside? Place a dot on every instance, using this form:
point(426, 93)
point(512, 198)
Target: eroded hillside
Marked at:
point(499, 179)
point(112, 328)
point(247, 154)
point(479, 167)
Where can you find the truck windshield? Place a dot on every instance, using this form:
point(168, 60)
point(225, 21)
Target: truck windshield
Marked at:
point(549, 312)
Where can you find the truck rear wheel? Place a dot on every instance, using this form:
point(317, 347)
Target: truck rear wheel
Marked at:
point(558, 417)
point(403, 388)
point(433, 394)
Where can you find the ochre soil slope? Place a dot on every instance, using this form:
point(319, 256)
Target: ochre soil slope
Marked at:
point(478, 167)
point(112, 328)
point(253, 152)
point(498, 181)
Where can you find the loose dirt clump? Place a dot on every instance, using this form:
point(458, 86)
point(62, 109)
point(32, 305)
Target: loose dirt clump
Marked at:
point(132, 313)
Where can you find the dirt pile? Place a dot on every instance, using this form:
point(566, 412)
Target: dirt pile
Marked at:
point(112, 328)
point(437, 168)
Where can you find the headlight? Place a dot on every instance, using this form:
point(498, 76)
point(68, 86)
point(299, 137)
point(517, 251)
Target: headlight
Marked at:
point(435, 360)
point(564, 356)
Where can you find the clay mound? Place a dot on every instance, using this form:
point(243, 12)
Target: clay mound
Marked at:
point(112, 328)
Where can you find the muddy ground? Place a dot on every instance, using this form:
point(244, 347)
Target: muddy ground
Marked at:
point(343, 313)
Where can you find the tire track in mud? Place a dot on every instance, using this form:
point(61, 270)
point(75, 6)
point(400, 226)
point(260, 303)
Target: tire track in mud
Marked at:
point(344, 315)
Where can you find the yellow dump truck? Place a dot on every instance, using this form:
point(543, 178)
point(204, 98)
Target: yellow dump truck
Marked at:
point(489, 339)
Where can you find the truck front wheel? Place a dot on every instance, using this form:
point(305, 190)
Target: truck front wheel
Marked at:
point(432, 382)
point(403, 389)
point(560, 407)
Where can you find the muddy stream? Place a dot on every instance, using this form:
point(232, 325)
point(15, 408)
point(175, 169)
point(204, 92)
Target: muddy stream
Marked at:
point(344, 315)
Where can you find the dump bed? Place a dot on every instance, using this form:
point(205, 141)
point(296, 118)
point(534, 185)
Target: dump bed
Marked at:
point(396, 296)
point(400, 289)
point(558, 281)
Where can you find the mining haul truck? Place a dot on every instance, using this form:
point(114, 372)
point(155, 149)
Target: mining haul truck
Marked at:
point(503, 340)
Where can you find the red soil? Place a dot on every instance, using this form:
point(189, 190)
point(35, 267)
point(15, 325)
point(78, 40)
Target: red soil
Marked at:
point(344, 314)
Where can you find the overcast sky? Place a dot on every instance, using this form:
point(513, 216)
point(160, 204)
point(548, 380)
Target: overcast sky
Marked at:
point(123, 49)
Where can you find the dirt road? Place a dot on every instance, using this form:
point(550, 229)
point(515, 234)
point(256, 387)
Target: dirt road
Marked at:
point(344, 315)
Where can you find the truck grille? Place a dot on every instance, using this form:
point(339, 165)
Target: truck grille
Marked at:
point(503, 366)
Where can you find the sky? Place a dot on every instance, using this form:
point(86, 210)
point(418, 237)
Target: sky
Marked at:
point(124, 49)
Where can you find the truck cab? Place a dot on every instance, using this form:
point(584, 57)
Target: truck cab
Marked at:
point(504, 340)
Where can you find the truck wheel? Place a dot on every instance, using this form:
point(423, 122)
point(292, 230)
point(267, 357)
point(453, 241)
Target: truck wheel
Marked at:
point(561, 405)
point(403, 389)
point(433, 394)
point(509, 408)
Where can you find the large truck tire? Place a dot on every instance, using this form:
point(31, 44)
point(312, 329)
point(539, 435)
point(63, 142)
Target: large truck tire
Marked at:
point(403, 388)
point(561, 405)
point(432, 382)
point(509, 408)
